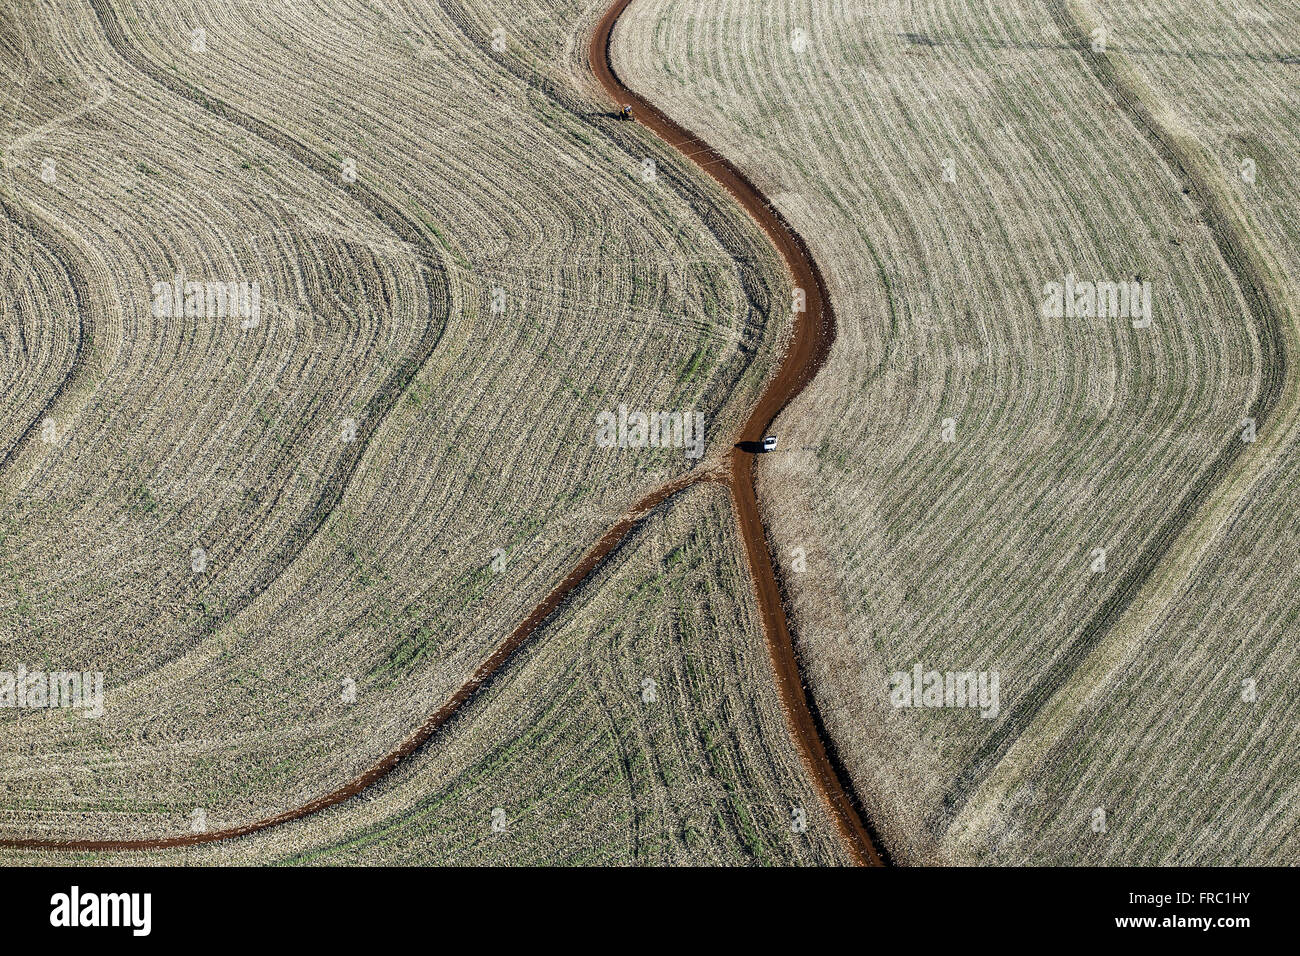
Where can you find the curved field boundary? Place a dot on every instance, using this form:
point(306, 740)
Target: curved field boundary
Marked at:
point(809, 346)
point(1183, 536)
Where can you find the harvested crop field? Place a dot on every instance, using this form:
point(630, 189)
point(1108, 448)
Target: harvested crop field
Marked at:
point(377, 481)
point(638, 727)
point(980, 486)
point(327, 328)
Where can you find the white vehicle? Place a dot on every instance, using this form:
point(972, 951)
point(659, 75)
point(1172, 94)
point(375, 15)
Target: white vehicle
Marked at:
point(769, 443)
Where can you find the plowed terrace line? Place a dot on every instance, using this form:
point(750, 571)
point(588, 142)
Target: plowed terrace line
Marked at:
point(809, 345)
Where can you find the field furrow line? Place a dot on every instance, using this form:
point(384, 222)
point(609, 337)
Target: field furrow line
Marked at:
point(481, 679)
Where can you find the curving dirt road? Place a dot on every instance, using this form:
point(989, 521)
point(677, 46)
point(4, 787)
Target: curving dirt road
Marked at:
point(809, 345)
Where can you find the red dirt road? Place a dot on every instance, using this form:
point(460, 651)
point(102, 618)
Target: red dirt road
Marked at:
point(468, 690)
point(810, 342)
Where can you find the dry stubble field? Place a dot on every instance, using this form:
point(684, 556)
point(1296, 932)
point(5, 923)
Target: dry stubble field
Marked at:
point(942, 160)
point(945, 161)
point(639, 727)
point(352, 465)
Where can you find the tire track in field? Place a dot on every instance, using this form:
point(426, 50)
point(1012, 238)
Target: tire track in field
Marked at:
point(810, 343)
point(62, 249)
point(1182, 157)
point(308, 526)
